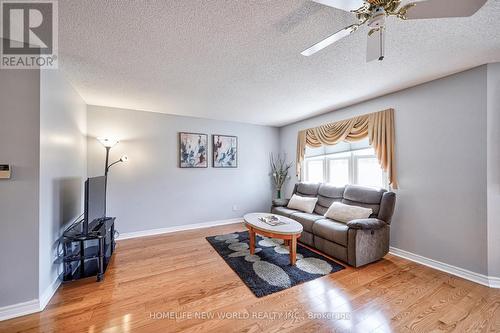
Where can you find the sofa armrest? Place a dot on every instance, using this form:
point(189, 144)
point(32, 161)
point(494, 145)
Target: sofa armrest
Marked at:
point(366, 224)
point(280, 202)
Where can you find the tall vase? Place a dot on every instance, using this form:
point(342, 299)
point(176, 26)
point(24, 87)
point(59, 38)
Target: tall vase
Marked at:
point(278, 194)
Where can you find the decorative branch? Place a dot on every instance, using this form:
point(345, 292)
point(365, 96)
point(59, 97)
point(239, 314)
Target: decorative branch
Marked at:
point(279, 168)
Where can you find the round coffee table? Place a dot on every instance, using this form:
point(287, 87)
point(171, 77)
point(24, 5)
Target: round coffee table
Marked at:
point(289, 232)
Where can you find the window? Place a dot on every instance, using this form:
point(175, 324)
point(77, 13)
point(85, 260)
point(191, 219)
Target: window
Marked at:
point(368, 171)
point(358, 165)
point(314, 170)
point(338, 169)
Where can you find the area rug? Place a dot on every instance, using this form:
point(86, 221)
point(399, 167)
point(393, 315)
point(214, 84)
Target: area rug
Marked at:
point(269, 269)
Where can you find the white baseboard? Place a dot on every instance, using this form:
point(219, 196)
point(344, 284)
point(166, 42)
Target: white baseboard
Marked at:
point(19, 309)
point(494, 282)
point(48, 293)
point(489, 281)
point(33, 306)
point(152, 232)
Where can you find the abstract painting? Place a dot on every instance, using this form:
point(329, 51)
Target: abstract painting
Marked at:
point(225, 151)
point(193, 150)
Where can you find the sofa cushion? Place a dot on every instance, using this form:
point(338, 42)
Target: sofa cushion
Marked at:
point(307, 220)
point(328, 194)
point(307, 189)
point(363, 196)
point(283, 211)
point(331, 230)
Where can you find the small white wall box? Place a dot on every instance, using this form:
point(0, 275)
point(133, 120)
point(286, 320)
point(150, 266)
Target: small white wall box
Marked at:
point(4, 171)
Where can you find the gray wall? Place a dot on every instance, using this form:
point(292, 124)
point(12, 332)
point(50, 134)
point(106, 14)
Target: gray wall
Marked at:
point(63, 167)
point(494, 169)
point(150, 191)
point(441, 161)
point(19, 146)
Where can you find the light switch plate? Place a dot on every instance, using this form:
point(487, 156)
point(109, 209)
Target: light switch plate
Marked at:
point(5, 171)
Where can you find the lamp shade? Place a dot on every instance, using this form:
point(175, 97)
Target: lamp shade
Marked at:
point(107, 142)
point(124, 158)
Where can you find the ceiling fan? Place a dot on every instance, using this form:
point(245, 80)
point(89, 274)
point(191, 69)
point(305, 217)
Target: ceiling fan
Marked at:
point(374, 12)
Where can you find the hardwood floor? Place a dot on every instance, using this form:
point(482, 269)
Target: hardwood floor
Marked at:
point(154, 284)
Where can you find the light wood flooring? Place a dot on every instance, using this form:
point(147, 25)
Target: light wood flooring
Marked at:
point(154, 284)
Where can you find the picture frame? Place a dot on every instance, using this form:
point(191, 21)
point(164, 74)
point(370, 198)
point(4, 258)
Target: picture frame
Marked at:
point(224, 151)
point(193, 150)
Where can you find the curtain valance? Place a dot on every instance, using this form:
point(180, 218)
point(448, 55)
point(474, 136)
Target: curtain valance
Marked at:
point(378, 127)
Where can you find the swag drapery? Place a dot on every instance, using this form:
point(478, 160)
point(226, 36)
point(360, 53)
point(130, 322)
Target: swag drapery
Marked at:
point(378, 127)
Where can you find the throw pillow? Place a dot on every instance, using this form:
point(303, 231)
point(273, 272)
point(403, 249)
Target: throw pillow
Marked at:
point(304, 204)
point(345, 213)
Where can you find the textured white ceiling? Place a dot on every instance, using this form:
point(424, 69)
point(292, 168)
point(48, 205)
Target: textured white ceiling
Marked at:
point(240, 60)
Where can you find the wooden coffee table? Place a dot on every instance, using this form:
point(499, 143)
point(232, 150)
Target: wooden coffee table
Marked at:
point(289, 232)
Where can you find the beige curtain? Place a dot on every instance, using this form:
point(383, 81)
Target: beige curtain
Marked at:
point(378, 127)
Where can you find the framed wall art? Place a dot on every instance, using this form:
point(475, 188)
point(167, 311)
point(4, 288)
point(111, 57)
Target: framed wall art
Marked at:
point(225, 151)
point(193, 150)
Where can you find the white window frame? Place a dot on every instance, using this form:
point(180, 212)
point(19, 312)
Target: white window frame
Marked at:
point(353, 166)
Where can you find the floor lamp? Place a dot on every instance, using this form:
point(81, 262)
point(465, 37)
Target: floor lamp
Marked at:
point(108, 144)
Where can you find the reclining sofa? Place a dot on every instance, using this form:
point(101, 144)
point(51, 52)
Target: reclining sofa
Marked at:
point(357, 242)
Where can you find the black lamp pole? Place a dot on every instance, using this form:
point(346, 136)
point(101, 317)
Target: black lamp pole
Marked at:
point(106, 171)
point(106, 166)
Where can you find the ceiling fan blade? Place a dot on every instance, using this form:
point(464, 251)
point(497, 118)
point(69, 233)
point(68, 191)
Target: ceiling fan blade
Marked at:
point(375, 49)
point(442, 8)
point(330, 40)
point(347, 5)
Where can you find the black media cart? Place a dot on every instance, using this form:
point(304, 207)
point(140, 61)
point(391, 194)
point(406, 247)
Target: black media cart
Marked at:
point(86, 255)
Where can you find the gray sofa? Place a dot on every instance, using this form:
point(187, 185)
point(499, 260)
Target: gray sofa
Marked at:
point(358, 242)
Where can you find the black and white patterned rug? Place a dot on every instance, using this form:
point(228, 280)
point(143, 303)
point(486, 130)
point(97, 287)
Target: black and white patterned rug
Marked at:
point(269, 269)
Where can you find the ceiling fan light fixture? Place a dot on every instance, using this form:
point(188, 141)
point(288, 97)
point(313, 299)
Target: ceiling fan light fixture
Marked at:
point(374, 12)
